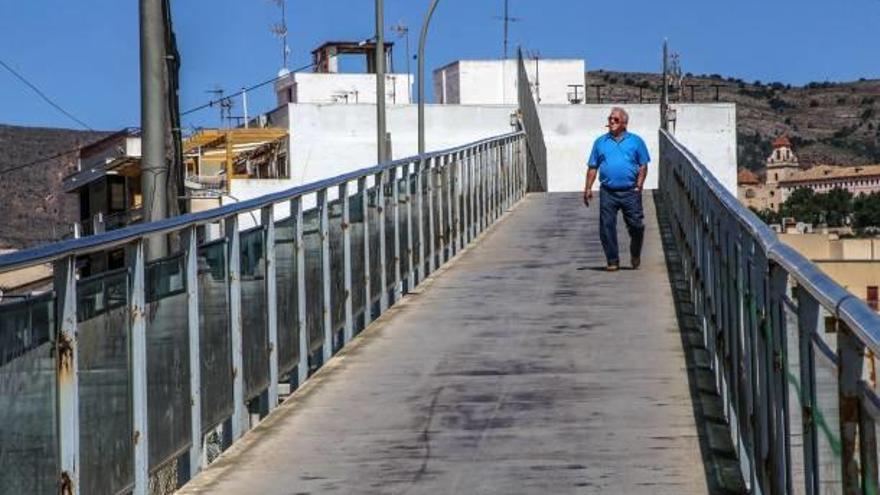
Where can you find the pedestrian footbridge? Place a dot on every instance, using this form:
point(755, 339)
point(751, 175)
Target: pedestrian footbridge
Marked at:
point(439, 324)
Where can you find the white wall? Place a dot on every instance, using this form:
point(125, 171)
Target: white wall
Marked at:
point(494, 82)
point(330, 140)
point(335, 88)
point(708, 130)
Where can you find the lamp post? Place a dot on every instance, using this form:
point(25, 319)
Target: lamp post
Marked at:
point(422, 37)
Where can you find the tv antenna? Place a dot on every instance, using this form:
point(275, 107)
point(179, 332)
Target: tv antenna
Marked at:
point(279, 29)
point(224, 102)
point(402, 31)
point(507, 20)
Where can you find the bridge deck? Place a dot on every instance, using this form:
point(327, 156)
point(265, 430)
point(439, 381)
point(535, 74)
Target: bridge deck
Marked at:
point(519, 368)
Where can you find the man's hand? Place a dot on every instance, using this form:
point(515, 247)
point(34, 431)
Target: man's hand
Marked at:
point(588, 196)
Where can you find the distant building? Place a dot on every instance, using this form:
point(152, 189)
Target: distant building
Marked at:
point(328, 85)
point(785, 175)
point(852, 263)
point(494, 82)
point(863, 179)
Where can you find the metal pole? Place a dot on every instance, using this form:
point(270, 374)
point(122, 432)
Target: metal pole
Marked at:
point(244, 105)
point(380, 81)
point(664, 99)
point(422, 37)
point(154, 169)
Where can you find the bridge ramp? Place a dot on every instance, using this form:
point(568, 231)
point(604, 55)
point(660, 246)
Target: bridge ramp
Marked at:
point(520, 367)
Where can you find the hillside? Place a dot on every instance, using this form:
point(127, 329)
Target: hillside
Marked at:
point(35, 209)
point(831, 123)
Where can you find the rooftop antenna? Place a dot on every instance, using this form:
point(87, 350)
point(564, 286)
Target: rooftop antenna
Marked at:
point(280, 30)
point(507, 20)
point(225, 104)
point(402, 31)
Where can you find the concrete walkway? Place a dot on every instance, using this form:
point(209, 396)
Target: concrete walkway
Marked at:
point(521, 367)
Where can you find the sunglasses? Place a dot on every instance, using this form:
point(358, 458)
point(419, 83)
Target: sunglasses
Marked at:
point(616, 120)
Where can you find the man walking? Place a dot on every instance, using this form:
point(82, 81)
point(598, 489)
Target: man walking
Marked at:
point(620, 158)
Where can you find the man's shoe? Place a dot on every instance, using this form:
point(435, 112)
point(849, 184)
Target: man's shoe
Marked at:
point(612, 268)
point(636, 262)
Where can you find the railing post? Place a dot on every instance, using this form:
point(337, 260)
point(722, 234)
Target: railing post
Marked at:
point(467, 175)
point(268, 221)
point(365, 205)
point(296, 210)
point(484, 186)
point(778, 395)
point(348, 329)
point(450, 206)
point(440, 170)
point(240, 417)
point(191, 247)
point(851, 358)
point(430, 171)
point(326, 313)
point(867, 447)
point(420, 216)
point(67, 369)
point(410, 256)
point(395, 201)
point(139, 406)
point(459, 201)
point(383, 249)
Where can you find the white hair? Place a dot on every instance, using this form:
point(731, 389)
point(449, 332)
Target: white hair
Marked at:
point(622, 112)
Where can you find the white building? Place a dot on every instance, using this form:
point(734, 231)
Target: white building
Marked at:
point(327, 85)
point(494, 82)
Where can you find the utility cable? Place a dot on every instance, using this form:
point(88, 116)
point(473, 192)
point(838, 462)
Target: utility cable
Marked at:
point(209, 104)
point(43, 95)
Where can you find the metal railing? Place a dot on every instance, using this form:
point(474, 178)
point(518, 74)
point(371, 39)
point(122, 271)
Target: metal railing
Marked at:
point(106, 380)
point(792, 351)
point(531, 122)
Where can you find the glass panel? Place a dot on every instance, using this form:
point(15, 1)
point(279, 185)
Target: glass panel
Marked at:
point(827, 419)
point(28, 452)
point(314, 284)
point(337, 273)
point(168, 393)
point(288, 305)
point(214, 335)
point(254, 330)
point(105, 384)
point(795, 399)
point(356, 219)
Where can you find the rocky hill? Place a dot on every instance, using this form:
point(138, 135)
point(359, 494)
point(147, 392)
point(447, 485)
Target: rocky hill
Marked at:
point(830, 123)
point(34, 208)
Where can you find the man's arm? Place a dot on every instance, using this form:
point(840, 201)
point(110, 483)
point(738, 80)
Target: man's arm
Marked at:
point(588, 186)
point(640, 180)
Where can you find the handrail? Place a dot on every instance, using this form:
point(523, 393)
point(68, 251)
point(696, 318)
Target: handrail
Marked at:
point(764, 351)
point(854, 312)
point(85, 245)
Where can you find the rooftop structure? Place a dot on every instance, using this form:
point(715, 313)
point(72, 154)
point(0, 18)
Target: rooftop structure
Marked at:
point(328, 85)
point(494, 82)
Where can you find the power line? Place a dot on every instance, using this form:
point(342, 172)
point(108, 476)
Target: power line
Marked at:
point(209, 104)
point(43, 95)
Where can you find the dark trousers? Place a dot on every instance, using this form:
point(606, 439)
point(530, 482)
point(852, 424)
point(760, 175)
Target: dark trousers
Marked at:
point(630, 202)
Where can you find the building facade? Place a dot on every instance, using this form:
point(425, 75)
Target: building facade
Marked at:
point(785, 175)
point(494, 82)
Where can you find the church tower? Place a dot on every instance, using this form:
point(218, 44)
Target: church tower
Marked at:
point(781, 163)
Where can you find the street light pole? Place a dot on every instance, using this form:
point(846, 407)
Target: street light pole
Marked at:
point(380, 81)
point(422, 37)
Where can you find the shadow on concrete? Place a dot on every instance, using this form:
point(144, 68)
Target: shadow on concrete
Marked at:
point(719, 455)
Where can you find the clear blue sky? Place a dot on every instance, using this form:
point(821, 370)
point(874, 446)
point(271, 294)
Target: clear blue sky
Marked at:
point(84, 53)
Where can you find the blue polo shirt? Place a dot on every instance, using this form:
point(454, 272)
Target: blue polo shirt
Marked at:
point(618, 161)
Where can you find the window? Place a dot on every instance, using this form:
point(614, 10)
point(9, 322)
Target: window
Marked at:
point(873, 297)
point(117, 195)
point(750, 193)
point(775, 176)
